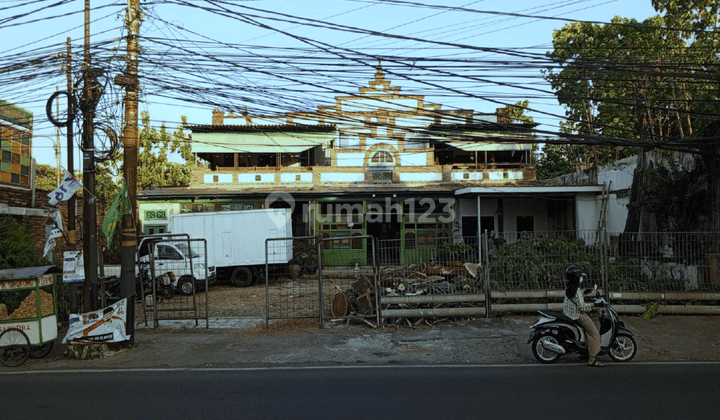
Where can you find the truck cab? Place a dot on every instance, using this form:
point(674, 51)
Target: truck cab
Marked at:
point(176, 257)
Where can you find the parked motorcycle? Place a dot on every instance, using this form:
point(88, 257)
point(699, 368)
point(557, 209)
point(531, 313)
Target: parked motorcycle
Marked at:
point(555, 335)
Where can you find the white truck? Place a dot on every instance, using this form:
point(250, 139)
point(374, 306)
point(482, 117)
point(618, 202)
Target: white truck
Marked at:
point(236, 240)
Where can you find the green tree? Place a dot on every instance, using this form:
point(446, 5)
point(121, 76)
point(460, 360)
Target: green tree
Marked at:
point(631, 80)
point(46, 177)
point(699, 21)
point(155, 147)
point(518, 112)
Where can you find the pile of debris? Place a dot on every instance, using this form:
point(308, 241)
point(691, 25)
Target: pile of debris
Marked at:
point(429, 279)
point(428, 290)
point(359, 298)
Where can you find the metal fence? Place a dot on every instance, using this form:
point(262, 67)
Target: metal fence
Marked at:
point(524, 271)
point(173, 278)
point(441, 280)
point(348, 278)
point(292, 285)
point(329, 278)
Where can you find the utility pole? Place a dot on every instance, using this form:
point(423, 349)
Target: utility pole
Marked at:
point(129, 80)
point(90, 287)
point(58, 175)
point(72, 203)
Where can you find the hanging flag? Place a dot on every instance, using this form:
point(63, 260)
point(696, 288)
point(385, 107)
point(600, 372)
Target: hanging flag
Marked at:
point(50, 234)
point(65, 190)
point(119, 207)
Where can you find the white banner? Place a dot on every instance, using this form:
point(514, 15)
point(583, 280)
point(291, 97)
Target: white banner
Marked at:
point(52, 231)
point(65, 190)
point(73, 267)
point(102, 326)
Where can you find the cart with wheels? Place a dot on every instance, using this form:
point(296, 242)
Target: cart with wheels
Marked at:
point(28, 313)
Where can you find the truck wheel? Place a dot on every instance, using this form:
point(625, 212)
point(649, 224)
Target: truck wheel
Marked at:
point(241, 277)
point(186, 285)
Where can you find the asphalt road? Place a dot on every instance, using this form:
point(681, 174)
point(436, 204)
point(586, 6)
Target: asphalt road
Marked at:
point(627, 391)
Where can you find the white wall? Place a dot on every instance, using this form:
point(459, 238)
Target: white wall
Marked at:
point(413, 159)
point(222, 178)
point(304, 177)
point(586, 212)
point(350, 159)
point(252, 177)
point(342, 177)
point(420, 177)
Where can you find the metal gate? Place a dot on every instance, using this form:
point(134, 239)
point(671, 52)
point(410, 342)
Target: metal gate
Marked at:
point(173, 278)
point(349, 278)
point(328, 278)
point(292, 281)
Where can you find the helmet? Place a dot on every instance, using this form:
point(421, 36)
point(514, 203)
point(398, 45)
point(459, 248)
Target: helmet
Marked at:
point(574, 274)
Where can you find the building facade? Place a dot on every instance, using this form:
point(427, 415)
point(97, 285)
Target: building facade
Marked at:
point(378, 163)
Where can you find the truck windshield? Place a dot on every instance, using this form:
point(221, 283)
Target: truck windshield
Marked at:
point(183, 247)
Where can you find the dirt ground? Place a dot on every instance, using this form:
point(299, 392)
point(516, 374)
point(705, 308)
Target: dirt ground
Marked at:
point(287, 299)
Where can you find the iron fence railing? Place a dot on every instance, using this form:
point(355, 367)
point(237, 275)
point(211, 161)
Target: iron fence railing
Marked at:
point(521, 270)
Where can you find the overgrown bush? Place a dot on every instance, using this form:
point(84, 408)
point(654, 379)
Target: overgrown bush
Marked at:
point(539, 262)
point(17, 246)
point(456, 252)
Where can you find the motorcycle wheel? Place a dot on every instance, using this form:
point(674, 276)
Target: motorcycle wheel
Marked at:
point(168, 293)
point(542, 354)
point(623, 349)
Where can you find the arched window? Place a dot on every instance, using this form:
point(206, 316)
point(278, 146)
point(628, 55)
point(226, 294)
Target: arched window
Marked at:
point(382, 158)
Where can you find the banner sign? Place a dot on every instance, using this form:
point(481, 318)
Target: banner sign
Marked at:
point(101, 326)
point(73, 267)
point(52, 231)
point(65, 190)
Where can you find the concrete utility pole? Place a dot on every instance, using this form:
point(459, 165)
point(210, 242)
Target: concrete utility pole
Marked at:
point(90, 287)
point(129, 80)
point(72, 203)
point(58, 173)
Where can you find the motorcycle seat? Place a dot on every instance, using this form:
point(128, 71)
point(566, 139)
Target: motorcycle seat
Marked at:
point(561, 317)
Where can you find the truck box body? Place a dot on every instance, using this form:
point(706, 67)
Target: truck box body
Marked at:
point(237, 238)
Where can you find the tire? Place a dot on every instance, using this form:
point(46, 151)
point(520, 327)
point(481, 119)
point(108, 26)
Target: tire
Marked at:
point(186, 285)
point(168, 293)
point(241, 277)
point(623, 348)
point(14, 347)
point(38, 352)
point(542, 354)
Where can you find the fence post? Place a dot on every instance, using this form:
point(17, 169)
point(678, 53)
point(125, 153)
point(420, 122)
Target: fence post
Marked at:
point(488, 302)
point(267, 285)
point(373, 240)
point(603, 266)
point(318, 242)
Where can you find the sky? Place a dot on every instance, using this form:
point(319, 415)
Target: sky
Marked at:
point(280, 56)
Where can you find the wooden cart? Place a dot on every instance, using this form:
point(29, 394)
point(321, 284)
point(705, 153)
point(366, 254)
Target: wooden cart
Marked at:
point(28, 313)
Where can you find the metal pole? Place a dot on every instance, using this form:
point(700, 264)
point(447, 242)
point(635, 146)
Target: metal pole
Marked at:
point(488, 284)
point(479, 230)
point(90, 287)
point(128, 246)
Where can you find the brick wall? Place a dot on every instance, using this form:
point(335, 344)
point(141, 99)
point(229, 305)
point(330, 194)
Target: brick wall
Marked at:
point(23, 198)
